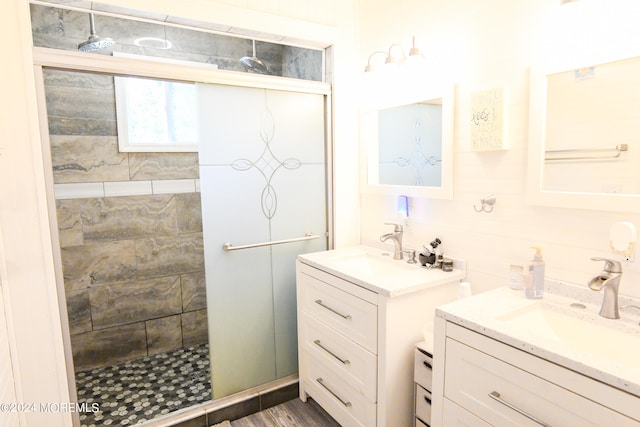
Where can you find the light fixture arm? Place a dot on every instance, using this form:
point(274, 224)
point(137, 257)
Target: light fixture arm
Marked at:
point(390, 59)
point(369, 66)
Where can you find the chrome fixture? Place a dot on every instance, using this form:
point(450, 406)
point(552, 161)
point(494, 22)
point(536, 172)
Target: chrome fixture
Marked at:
point(591, 153)
point(396, 236)
point(609, 279)
point(392, 56)
point(227, 246)
point(252, 63)
point(486, 204)
point(94, 42)
point(411, 253)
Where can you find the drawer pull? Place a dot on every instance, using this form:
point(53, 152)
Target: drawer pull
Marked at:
point(427, 365)
point(496, 396)
point(321, 304)
point(320, 381)
point(343, 361)
point(427, 399)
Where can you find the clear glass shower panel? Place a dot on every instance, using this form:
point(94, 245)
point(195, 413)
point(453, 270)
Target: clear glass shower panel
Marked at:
point(263, 179)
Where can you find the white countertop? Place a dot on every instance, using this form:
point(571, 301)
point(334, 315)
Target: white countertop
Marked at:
point(405, 278)
point(482, 313)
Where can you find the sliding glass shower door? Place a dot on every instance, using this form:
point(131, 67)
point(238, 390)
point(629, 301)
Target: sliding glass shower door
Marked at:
point(264, 200)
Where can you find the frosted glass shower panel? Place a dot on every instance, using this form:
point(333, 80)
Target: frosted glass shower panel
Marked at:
point(263, 178)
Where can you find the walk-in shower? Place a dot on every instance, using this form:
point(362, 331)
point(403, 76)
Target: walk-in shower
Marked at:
point(131, 245)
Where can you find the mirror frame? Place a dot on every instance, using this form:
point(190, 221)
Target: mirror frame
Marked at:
point(445, 191)
point(536, 195)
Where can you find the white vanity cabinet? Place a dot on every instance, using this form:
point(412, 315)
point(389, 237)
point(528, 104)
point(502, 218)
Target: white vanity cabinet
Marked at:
point(423, 377)
point(356, 343)
point(480, 381)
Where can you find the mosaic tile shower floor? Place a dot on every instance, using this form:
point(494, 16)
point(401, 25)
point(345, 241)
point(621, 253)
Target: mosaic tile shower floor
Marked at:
point(136, 391)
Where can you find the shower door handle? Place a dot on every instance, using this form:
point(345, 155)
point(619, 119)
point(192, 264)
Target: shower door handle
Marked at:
point(227, 246)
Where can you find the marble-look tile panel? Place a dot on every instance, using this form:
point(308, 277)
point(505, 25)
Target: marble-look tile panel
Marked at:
point(108, 346)
point(194, 328)
point(165, 255)
point(69, 222)
point(163, 166)
point(115, 218)
point(78, 126)
point(87, 159)
point(164, 334)
point(95, 264)
point(76, 79)
point(122, 303)
point(302, 63)
point(185, 40)
point(189, 211)
point(194, 292)
point(80, 102)
point(79, 311)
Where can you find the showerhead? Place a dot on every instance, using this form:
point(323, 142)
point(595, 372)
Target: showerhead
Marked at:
point(95, 42)
point(253, 64)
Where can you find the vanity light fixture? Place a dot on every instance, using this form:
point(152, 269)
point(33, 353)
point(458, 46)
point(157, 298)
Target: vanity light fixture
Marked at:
point(392, 56)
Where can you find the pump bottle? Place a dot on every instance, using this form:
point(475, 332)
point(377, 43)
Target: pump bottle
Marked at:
point(534, 283)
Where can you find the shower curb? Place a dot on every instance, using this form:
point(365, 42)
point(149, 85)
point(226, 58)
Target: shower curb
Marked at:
point(231, 407)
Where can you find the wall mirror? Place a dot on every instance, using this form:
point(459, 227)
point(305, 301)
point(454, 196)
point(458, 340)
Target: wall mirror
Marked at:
point(585, 137)
point(408, 147)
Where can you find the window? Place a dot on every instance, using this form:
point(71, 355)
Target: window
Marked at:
point(156, 115)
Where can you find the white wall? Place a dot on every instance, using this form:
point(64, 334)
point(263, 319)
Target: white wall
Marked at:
point(488, 44)
point(26, 258)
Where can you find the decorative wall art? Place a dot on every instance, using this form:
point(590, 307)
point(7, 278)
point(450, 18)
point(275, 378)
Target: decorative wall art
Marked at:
point(487, 120)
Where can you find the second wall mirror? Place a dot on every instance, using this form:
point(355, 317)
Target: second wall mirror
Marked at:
point(584, 136)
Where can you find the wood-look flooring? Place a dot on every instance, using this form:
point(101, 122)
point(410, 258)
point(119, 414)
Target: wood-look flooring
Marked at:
point(289, 414)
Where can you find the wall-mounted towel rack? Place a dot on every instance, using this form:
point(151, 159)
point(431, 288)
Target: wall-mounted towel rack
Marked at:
point(227, 246)
point(597, 153)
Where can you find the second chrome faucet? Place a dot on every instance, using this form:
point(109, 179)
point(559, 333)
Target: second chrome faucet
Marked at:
point(609, 279)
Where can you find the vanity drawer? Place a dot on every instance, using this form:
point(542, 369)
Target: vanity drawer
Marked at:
point(353, 363)
point(423, 404)
point(353, 317)
point(455, 416)
point(504, 395)
point(423, 369)
point(344, 403)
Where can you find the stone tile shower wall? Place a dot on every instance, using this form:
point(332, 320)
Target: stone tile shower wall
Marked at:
point(133, 265)
point(63, 29)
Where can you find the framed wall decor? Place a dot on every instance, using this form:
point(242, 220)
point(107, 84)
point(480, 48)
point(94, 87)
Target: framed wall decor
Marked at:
point(488, 120)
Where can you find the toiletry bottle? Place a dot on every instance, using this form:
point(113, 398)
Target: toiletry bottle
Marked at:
point(535, 278)
point(516, 277)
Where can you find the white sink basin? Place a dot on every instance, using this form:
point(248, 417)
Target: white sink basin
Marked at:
point(376, 270)
point(603, 338)
point(373, 264)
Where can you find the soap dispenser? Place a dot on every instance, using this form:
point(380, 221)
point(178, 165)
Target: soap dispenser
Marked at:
point(534, 283)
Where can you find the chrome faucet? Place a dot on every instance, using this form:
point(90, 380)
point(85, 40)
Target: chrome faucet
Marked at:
point(396, 236)
point(609, 279)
